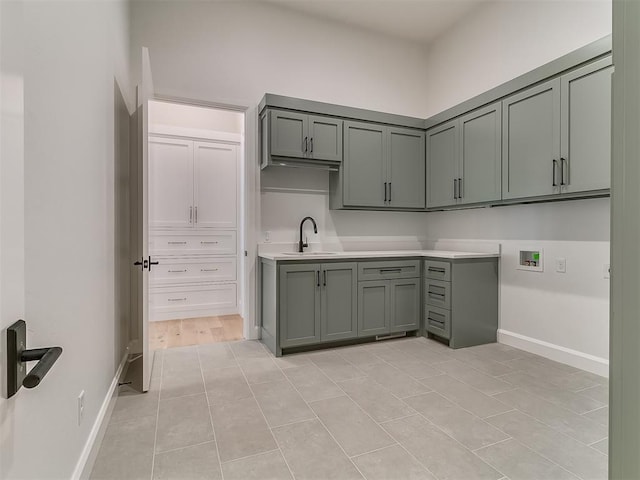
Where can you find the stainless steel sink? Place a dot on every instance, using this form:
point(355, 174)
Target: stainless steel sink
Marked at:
point(304, 254)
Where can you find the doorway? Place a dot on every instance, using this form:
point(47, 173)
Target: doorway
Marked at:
point(195, 224)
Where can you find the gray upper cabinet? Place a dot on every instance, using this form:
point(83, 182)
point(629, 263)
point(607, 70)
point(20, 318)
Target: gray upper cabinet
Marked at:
point(302, 138)
point(480, 154)
point(383, 167)
point(531, 142)
point(586, 128)
point(339, 301)
point(325, 138)
point(464, 159)
point(299, 300)
point(365, 169)
point(442, 164)
point(406, 168)
point(288, 133)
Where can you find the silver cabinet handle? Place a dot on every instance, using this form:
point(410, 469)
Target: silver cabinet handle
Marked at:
point(208, 269)
point(177, 271)
point(391, 270)
point(436, 269)
point(176, 299)
point(208, 243)
point(190, 215)
point(176, 243)
point(196, 216)
point(437, 294)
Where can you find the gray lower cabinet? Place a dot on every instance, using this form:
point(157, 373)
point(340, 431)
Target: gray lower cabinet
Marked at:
point(383, 168)
point(461, 300)
point(464, 159)
point(391, 302)
point(317, 303)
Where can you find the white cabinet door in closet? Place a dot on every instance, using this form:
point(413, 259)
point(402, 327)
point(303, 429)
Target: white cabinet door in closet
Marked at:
point(170, 183)
point(215, 185)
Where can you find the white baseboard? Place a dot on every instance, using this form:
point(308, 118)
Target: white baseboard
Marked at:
point(91, 447)
point(584, 361)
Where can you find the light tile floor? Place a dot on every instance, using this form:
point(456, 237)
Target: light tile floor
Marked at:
point(400, 409)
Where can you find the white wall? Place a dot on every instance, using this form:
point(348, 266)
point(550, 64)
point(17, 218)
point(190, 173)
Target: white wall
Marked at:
point(165, 114)
point(70, 52)
point(235, 52)
point(560, 315)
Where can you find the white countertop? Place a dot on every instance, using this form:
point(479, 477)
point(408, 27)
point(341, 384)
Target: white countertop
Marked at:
point(279, 256)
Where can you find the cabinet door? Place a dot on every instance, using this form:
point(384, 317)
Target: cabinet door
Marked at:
point(480, 166)
point(406, 173)
point(325, 138)
point(442, 161)
point(215, 185)
point(373, 308)
point(339, 302)
point(289, 134)
point(170, 183)
point(405, 305)
point(299, 301)
point(531, 142)
point(586, 128)
point(364, 164)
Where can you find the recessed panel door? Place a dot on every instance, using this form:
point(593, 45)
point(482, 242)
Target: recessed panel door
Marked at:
point(289, 134)
point(339, 285)
point(586, 128)
point(373, 308)
point(299, 287)
point(170, 183)
point(325, 138)
point(442, 161)
point(215, 185)
point(405, 305)
point(531, 142)
point(406, 188)
point(365, 171)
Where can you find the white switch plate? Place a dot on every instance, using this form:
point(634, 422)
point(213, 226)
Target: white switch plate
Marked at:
point(561, 265)
point(267, 236)
point(606, 270)
point(80, 407)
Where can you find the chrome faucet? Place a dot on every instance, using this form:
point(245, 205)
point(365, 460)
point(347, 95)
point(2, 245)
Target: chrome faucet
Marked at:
point(302, 244)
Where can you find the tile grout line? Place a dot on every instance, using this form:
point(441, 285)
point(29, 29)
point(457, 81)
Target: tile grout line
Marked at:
point(262, 413)
point(494, 443)
point(251, 456)
point(206, 396)
point(155, 436)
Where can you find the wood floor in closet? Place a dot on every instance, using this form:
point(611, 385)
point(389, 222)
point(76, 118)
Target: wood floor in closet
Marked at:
point(194, 331)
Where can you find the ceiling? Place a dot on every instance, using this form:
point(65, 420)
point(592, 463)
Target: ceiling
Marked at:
point(414, 20)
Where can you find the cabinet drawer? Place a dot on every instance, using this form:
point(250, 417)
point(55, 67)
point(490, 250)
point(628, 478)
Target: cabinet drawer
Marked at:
point(190, 270)
point(437, 270)
point(388, 270)
point(188, 298)
point(437, 321)
point(219, 243)
point(438, 293)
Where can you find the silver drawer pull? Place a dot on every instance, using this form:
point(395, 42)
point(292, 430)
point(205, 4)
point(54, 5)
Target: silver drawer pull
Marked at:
point(438, 322)
point(177, 243)
point(177, 271)
point(176, 299)
point(437, 294)
point(436, 269)
point(390, 270)
point(208, 243)
point(208, 269)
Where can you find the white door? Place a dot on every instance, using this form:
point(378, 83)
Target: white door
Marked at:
point(141, 219)
point(170, 183)
point(215, 185)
